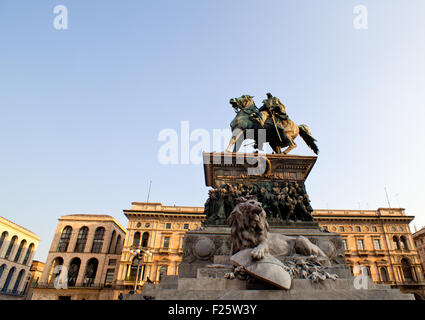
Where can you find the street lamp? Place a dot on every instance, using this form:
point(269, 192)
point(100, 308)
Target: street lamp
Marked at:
point(139, 254)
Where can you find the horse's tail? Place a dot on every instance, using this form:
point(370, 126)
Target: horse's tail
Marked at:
point(305, 133)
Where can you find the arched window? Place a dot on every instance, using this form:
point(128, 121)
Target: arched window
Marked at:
point(396, 243)
point(52, 274)
point(136, 239)
point(407, 270)
point(404, 243)
point(73, 270)
point(384, 274)
point(91, 271)
point(81, 239)
point(111, 248)
point(64, 240)
point(11, 245)
point(145, 239)
point(28, 254)
point(98, 240)
point(3, 238)
point(7, 282)
point(18, 280)
point(2, 268)
point(118, 245)
point(18, 253)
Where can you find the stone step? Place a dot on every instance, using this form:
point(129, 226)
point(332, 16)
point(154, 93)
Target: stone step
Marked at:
point(280, 295)
point(210, 284)
point(301, 284)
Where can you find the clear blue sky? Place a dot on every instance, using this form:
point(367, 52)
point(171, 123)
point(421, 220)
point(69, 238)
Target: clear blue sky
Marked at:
point(81, 109)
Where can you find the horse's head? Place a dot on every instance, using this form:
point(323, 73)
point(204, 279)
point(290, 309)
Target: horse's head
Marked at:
point(242, 102)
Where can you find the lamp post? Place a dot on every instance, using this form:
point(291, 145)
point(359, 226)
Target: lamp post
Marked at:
point(139, 254)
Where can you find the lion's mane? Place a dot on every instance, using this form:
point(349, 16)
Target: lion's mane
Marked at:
point(249, 226)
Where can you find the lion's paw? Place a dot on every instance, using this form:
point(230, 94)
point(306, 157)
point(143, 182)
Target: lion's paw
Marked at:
point(257, 253)
point(229, 275)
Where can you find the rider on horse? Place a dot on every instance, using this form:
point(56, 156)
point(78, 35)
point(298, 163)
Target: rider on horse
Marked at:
point(277, 111)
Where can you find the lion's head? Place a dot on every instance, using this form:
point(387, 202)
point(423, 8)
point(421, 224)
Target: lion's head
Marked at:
point(248, 224)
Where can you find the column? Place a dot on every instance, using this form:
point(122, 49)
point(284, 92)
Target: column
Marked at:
point(46, 271)
point(4, 276)
point(375, 271)
point(90, 237)
point(73, 240)
point(5, 246)
point(81, 273)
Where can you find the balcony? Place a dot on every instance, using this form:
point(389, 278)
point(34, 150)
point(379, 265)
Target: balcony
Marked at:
point(13, 293)
point(164, 250)
point(45, 285)
point(379, 252)
point(362, 252)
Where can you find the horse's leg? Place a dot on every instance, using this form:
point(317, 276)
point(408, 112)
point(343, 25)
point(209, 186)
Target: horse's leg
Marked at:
point(234, 139)
point(292, 133)
point(292, 145)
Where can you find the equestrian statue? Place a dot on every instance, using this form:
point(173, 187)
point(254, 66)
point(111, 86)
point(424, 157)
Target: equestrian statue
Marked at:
point(280, 131)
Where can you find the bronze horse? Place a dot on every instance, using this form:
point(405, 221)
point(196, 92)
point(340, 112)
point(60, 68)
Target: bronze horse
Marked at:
point(249, 117)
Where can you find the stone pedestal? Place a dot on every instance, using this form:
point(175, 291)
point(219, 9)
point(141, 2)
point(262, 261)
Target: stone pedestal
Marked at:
point(210, 246)
point(206, 259)
point(235, 168)
point(276, 180)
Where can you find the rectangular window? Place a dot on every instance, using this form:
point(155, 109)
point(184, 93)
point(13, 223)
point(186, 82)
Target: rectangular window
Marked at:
point(374, 229)
point(186, 226)
point(112, 262)
point(345, 244)
point(377, 244)
point(162, 272)
point(109, 278)
point(168, 226)
point(166, 242)
point(341, 229)
point(358, 229)
point(360, 244)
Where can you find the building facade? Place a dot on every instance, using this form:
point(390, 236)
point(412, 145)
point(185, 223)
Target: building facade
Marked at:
point(159, 229)
point(17, 249)
point(36, 271)
point(419, 239)
point(83, 259)
point(381, 241)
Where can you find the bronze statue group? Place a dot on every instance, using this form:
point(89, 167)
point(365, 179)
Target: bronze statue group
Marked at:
point(283, 202)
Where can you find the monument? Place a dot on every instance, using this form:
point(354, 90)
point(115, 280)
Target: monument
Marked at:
point(259, 240)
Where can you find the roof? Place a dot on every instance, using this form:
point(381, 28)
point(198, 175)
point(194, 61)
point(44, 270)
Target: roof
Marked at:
point(387, 212)
point(158, 208)
point(419, 232)
point(17, 226)
point(93, 217)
